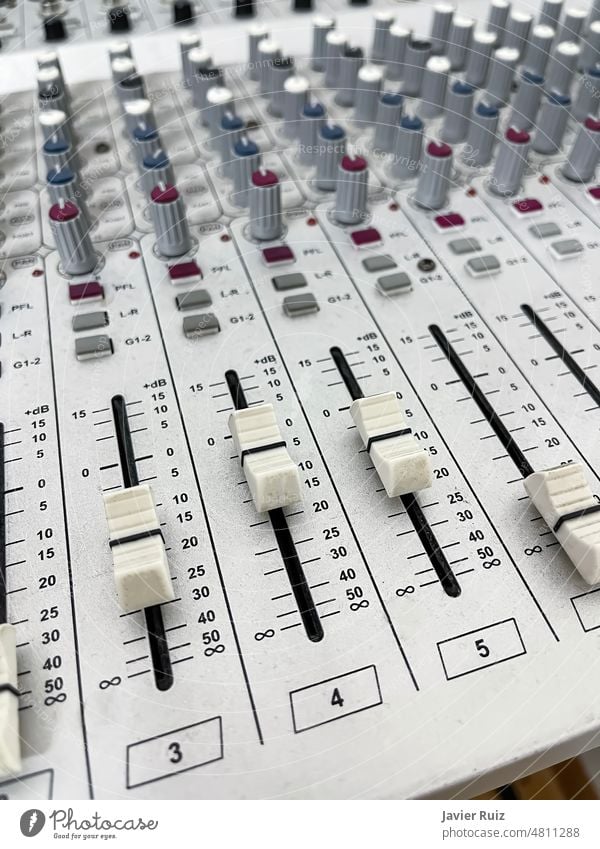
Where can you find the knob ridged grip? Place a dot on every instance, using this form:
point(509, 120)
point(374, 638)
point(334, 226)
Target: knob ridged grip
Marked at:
point(265, 206)
point(435, 177)
point(510, 163)
point(70, 230)
point(584, 155)
point(170, 224)
point(351, 190)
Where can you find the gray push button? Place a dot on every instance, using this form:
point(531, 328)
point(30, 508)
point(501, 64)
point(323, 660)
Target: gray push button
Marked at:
point(90, 321)
point(395, 284)
point(295, 305)
point(194, 300)
point(202, 324)
point(481, 265)
point(545, 230)
point(381, 262)
point(283, 282)
point(566, 247)
point(464, 246)
point(92, 347)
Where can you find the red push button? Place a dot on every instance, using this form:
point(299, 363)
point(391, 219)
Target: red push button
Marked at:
point(526, 205)
point(278, 255)
point(368, 236)
point(449, 221)
point(92, 291)
point(185, 272)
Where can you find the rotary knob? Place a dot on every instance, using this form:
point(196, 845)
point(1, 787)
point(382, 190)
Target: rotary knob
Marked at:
point(497, 17)
point(478, 61)
point(459, 41)
point(501, 76)
point(588, 94)
point(538, 49)
point(433, 89)
point(440, 26)
point(481, 136)
point(295, 93)
point(246, 160)
point(332, 144)
point(459, 106)
point(349, 64)
point(551, 124)
point(55, 29)
point(409, 143)
point(383, 22)
point(313, 118)
point(256, 34)
point(118, 19)
point(230, 132)
point(156, 170)
point(321, 26)
point(187, 42)
point(562, 67)
point(265, 206)
point(169, 220)
point(389, 111)
point(584, 154)
point(63, 185)
point(510, 164)
point(415, 57)
point(396, 42)
point(369, 83)
point(436, 173)
point(351, 190)
point(71, 234)
point(527, 101)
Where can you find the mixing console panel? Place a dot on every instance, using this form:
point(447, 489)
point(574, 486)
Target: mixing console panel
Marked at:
point(299, 397)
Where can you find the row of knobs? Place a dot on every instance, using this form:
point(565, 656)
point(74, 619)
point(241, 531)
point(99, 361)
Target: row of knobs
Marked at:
point(118, 18)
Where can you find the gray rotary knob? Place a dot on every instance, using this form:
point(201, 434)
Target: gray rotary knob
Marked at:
point(440, 26)
point(187, 42)
point(502, 71)
point(71, 234)
point(146, 141)
point(382, 23)
point(332, 148)
point(265, 206)
point(584, 155)
point(562, 66)
point(497, 19)
point(408, 147)
point(481, 137)
point(268, 51)
point(588, 95)
point(55, 126)
point(478, 60)
point(321, 26)
point(352, 190)
point(551, 124)
point(219, 100)
point(169, 220)
point(517, 30)
point(433, 88)
point(335, 44)
point(295, 94)
point(416, 55)
point(397, 40)
point(459, 41)
point(51, 89)
point(138, 113)
point(246, 160)
point(459, 106)
point(230, 132)
point(572, 25)
point(550, 13)
point(121, 68)
point(313, 118)
point(511, 163)
point(527, 101)
point(590, 48)
point(370, 80)
point(435, 177)
point(538, 49)
point(156, 170)
point(389, 111)
point(202, 82)
point(281, 70)
point(63, 185)
point(349, 64)
point(256, 34)
point(198, 61)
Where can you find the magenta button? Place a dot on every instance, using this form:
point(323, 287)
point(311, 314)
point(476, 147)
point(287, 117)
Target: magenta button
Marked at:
point(592, 124)
point(594, 193)
point(92, 291)
point(526, 205)
point(279, 254)
point(369, 236)
point(184, 271)
point(439, 149)
point(446, 222)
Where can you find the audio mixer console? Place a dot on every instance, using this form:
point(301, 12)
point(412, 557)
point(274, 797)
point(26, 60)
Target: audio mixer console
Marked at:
point(299, 397)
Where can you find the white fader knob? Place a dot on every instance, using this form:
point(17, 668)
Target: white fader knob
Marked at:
point(270, 472)
point(401, 463)
point(564, 498)
point(10, 754)
point(140, 563)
